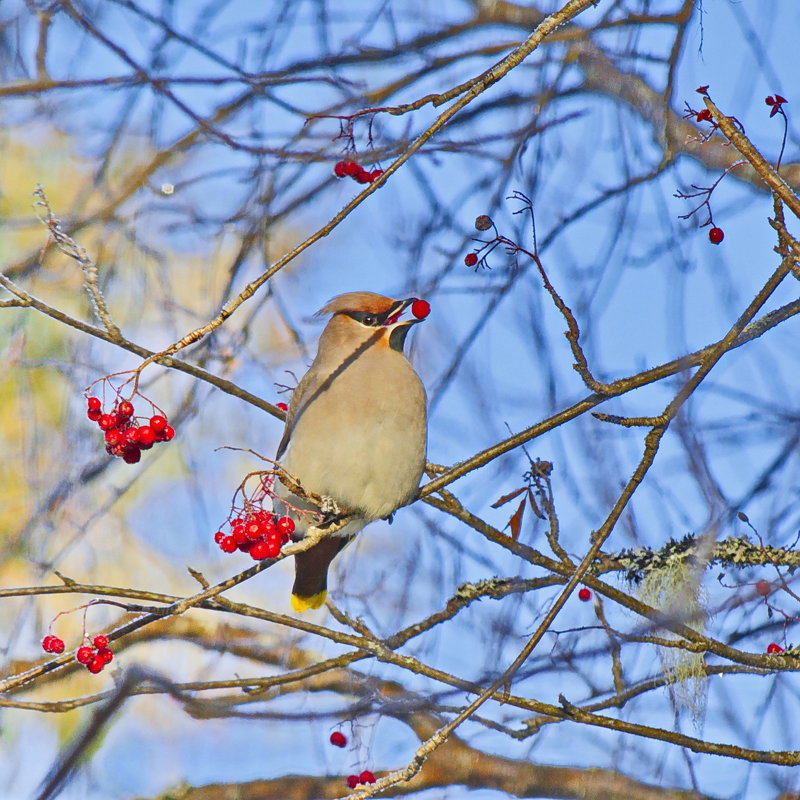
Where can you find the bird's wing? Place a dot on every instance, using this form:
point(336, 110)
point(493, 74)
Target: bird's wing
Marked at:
point(303, 389)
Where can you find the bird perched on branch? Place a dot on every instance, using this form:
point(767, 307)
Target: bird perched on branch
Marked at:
point(356, 428)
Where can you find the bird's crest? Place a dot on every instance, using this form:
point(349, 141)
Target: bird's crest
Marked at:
point(358, 301)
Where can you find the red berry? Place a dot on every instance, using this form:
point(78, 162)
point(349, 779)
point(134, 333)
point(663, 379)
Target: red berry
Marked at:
point(285, 526)
point(113, 437)
point(254, 531)
point(366, 777)
point(107, 421)
point(239, 534)
point(770, 101)
point(584, 594)
point(219, 536)
point(132, 436)
point(93, 414)
point(703, 116)
point(125, 409)
point(338, 169)
point(338, 739)
point(47, 644)
point(420, 308)
point(273, 547)
point(146, 437)
point(106, 653)
point(350, 168)
point(282, 406)
point(84, 655)
point(56, 644)
point(132, 454)
point(773, 648)
point(228, 544)
point(763, 587)
point(167, 435)
point(352, 781)
point(259, 551)
point(275, 536)
point(158, 423)
point(94, 404)
point(362, 176)
point(716, 235)
point(375, 174)
point(100, 641)
point(96, 664)
point(471, 259)
point(268, 529)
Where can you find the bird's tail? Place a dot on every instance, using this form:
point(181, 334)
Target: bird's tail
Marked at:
point(311, 572)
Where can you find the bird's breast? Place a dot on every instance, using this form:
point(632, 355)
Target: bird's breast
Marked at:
point(362, 441)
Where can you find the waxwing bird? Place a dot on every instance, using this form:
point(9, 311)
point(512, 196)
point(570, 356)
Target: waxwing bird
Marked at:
point(356, 428)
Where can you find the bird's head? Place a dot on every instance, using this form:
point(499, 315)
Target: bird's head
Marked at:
point(361, 317)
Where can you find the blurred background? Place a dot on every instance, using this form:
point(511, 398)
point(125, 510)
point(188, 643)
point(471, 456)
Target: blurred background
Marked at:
point(190, 146)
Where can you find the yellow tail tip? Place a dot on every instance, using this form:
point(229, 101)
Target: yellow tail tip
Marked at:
point(304, 603)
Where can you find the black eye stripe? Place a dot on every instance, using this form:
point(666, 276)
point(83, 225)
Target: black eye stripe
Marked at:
point(371, 319)
point(365, 318)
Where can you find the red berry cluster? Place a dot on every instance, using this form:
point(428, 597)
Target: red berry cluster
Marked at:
point(365, 777)
point(777, 104)
point(354, 170)
point(124, 437)
point(52, 644)
point(338, 739)
point(260, 533)
point(96, 656)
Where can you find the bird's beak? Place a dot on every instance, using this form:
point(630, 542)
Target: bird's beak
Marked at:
point(398, 328)
point(398, 310)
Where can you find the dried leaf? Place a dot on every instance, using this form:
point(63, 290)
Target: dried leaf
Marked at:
point(506, 497)
point(534, 507)
point(515, 523)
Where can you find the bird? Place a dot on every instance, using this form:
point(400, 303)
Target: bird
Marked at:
point(356, 429)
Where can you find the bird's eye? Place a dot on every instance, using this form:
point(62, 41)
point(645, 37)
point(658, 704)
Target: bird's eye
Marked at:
point(366, 318)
